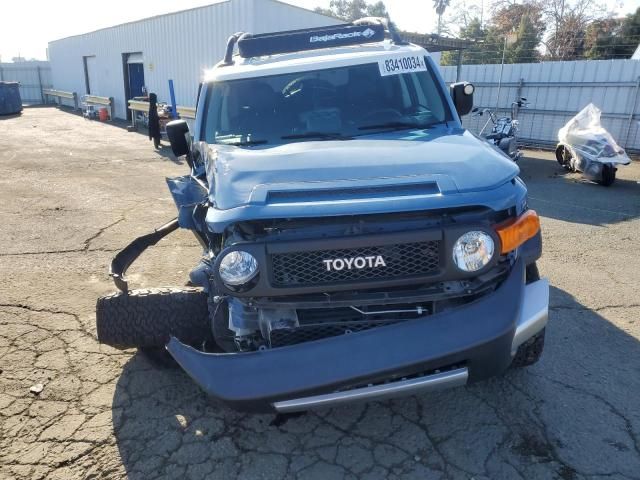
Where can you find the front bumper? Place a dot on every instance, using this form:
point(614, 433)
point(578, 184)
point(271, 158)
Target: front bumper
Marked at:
point(469, 343)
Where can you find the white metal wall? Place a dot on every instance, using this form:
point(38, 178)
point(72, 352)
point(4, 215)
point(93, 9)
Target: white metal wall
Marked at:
point(175, 46)
point(557, 91)
point(32, 76)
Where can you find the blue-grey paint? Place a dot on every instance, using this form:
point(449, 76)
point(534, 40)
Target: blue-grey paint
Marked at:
point(453, 167)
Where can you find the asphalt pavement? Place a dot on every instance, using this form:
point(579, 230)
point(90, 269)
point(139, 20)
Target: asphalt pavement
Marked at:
point(73, 192)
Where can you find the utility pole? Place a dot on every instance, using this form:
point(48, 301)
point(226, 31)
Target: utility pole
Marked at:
point(504, 49)
point(509, 39)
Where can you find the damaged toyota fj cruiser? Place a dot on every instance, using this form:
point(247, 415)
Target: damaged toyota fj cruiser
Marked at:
point(359, 243)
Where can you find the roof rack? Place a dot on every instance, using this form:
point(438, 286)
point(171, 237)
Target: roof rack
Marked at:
point(365, 30)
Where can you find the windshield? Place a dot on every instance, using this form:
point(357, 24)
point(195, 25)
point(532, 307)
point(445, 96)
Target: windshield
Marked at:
point(336, 103)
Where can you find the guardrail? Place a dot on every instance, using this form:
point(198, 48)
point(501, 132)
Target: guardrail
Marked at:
point(59, 94)
point(104, 101)
point(137, 106)
point(142, 106)
point(186, 112)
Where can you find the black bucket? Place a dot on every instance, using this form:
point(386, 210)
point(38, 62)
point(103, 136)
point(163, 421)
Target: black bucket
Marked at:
point(10, 101)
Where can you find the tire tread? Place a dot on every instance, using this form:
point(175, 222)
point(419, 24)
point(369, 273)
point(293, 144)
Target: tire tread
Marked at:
point(148, 317)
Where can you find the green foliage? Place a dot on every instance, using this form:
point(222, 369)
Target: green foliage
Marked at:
point(612, 37)
point(525, 20)
point(486, 50)
point(524, 50)
point(377, 9)
point(441, 6)
point(600, 40)
point(544, 29)
point(350, 10)
point(629, 37)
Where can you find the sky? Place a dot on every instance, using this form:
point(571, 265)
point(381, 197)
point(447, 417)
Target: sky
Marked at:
point(28, 25)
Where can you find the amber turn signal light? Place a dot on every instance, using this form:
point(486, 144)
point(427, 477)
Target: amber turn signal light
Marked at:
point(514, 233)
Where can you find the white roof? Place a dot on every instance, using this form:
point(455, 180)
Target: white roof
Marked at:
point(309, 60)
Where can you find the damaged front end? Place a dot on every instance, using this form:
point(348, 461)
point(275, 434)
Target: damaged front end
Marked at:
point(362, 302)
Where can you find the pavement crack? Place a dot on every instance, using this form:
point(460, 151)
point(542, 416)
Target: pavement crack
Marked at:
point(87, 242)
point(583, 308)
point(45, 252)
point(612, 408)
point(38, 310)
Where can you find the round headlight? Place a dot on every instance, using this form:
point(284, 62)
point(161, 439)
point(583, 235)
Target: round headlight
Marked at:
point(238, 267)
point(473, 250)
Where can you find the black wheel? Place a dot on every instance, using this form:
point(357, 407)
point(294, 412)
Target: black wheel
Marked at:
point(563, 156)
point(147, 318)
point(530, 351)
point(608, 175)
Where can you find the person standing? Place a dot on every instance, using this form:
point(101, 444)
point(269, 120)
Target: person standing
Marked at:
point(154, 120)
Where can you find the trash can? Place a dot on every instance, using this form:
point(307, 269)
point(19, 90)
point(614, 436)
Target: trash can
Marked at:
point(103, 114)
point(10, 101)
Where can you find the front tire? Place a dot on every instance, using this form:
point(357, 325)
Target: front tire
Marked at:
point(146, 319)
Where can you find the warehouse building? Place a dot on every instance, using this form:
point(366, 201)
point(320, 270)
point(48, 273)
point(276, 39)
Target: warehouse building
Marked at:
point(119, 61)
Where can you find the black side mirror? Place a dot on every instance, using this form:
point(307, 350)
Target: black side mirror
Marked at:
point(462, 94)
point(178, 133)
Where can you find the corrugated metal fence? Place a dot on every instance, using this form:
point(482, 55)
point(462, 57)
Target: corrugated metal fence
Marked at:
point(557, 91)
point(32, 76)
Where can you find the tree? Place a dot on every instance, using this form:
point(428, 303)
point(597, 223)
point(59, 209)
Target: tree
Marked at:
point(350, 10)
point(440, 6)
point(378, 9)
point(601, 39)
point(567, 22)
point(484, 50)
point(525, 19)
point(612, 37)
point(460, 14)
point(508, 17)
point(629, 37)
point(528, 37)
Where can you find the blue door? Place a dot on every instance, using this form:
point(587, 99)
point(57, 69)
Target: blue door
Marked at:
point(136, 80)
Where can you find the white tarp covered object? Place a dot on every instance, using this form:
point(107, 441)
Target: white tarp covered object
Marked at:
point(589, 141)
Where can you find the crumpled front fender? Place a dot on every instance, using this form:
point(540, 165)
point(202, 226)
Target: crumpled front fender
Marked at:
point(188, 193)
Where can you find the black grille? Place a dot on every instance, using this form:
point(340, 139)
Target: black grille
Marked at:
point(318, 323)
point(401, 260)
point(307, 333)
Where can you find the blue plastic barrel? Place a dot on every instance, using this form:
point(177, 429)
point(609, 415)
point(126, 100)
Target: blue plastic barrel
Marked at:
point(10, 101)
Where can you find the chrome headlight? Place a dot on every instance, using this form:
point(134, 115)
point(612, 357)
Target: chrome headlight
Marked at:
point(237, 268)
point(473, 250)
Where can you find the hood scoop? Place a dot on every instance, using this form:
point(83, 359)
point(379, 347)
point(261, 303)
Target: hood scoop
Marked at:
point(351, 193)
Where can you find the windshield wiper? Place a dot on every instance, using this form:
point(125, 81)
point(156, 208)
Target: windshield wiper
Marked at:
point(395, 126)
point(246, 143)
point(320, 135)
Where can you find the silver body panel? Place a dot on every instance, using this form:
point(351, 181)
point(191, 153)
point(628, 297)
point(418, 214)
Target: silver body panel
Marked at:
point(534, 314)
point(428, 383)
